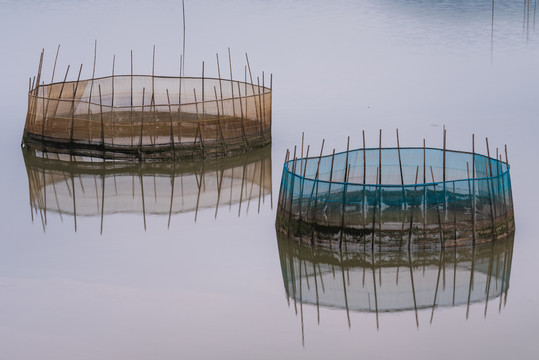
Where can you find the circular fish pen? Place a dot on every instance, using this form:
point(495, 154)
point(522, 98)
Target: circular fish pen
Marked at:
point(391, 198)
point(148, 117)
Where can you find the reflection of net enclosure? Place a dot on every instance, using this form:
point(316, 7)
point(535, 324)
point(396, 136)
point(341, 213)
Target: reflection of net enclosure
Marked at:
point(395, 197)
point(138, 116)
point(78, 188)
point(397, 280)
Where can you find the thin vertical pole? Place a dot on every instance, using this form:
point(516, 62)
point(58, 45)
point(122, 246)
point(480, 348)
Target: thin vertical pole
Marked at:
point(412, 211)
point(171, 129)
point(101, 118)
point(220, 84)
point(380, 158)
point(438, 210)
point(232, 87)
point(242, 117)
point(364, 159)
point(400, 161)
point(346, 174)
point(131, 100)
point(73, 109)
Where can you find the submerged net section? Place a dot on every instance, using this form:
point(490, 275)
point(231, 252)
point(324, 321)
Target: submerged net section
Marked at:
point(395, 197)
point(396, 280)
point(69, 186)
point(148, 117)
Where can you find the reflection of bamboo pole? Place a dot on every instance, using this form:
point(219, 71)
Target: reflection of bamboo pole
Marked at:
point(102, 200)
point(374, 279)
point(143, 203)
point(219, 185)
point(172, 183)
point(470, 285)
point(441, 260)
point(412, 279)
point(345, 292)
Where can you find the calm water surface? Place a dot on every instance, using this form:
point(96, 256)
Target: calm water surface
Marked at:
point(201, 273)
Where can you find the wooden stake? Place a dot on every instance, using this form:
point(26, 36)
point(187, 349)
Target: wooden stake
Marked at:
point(242, 121)
point(73, 109)
point(380, 157)
point(438, 210)
point(131, 101)
point(472, 198)
point(171, 134)
point(102, 125)
point(400, 162)
point(412, 211)
point(220, 84)
point(364, 159)
point(232, 88)
point(219, 120)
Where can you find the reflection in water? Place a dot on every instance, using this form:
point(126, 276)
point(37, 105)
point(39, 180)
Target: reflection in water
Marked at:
point(84, 187)
point(395, 281)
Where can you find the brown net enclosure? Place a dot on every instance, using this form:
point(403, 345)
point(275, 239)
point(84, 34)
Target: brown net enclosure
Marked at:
point(148, 117)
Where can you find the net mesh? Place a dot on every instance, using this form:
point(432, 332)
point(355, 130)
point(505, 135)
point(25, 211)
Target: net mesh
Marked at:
point(149, 117)
point(358, 196)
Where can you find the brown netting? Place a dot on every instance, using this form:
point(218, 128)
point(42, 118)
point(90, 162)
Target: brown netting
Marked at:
point(148, 117)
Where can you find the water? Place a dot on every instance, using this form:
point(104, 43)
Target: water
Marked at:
point(215, 287)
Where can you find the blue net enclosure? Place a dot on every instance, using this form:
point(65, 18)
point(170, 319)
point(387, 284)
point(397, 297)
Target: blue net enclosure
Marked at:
point(394, 197)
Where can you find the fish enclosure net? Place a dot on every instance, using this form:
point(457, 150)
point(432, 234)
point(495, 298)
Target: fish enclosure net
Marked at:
point(395, 197)
point(148, 117)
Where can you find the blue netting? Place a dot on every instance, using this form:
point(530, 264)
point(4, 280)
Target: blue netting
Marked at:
point(361, 192)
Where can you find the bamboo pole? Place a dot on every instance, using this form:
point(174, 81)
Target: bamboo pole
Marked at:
point(232, 88)
point(171, 126)
point(101, 118)
point(220, 84)
point(219, 121)
point(492, 209)
point(472, 201)
point(400, 161)
point(142, 120)
point(364, 159)
point(199, 128)
point(203, 92)
point(374, 211)
point(442, 241)
point(172, 182)
point(51, 85)
point(380, 157)
point(345, 180)
point(131, 101)
point(242, 117)
point(254, 93)
point(58, 102)
point(412, 212)
point(73, 110)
